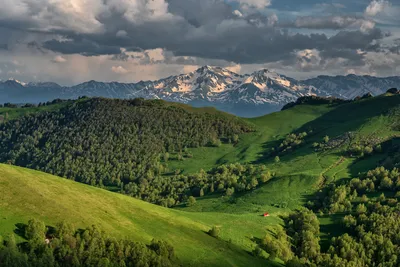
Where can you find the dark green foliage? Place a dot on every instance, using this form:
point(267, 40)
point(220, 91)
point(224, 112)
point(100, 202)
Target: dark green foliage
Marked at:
point(373, 225)
point(394, 115)
point(9, 105)
point(278, 246)
point(315, 100)
point(291, 142)
point(65, 246)
point(228, 179)
point(393, 91)
point(109, 142)
point(10, 256)
point(365, 147)
point(214, 231)
point(191, 201)
point(303, 228)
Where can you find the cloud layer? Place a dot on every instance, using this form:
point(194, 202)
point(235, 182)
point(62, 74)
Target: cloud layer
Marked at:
point(128, 36)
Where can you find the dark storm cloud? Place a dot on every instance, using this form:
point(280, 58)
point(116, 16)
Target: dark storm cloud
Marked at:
point(355, 58)
point(329, 22)
point(254, 47)
point(357, 40)
point(208, 29)
point(81, 46)
point(198, 13)
point(234, 40)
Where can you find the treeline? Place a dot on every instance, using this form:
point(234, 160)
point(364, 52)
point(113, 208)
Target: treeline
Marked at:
point(113, 143)
point(315, 100)
point(370, 209)
point(66, 246)
point(29, 105)
point(173, 190)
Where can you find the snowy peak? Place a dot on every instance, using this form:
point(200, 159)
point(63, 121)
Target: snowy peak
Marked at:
point(205, 80)
point(252, 94)
point(15, 83)
point(264, 79)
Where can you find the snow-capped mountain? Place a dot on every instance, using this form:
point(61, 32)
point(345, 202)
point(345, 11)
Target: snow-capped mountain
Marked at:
point(351, 86)
point(252, 94)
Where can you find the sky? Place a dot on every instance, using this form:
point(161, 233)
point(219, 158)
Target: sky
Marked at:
point(72, 41)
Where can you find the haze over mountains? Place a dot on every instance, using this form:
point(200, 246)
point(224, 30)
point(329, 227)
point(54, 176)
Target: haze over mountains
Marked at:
point(245, 95)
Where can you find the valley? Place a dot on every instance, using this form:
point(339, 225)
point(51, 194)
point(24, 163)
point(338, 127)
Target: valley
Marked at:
point(239, 170)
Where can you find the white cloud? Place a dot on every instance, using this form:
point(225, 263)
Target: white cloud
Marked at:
point(155, 55)
point(367, 25)
point(58, 59)
point(260, 4)
point(78, 15)
point(272, 20)
point(119, 70)
point(250, 6)
point(121, 34)
point(376, 7)
point(308, 59)
point(237, 13)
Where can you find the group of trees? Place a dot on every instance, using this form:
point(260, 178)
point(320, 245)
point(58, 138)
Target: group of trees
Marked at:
point(340, 198)
point(316, 100)
point(371, 216)
point(291, 142)
point(394, 115)
point(113, 143)
point(65, 246)
point(29, 105)
point(225, 179)
point(365, 147)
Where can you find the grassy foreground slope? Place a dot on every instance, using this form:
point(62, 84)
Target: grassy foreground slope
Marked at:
point(26, 194)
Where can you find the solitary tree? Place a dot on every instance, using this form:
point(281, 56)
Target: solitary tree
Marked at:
point(214, 231)
point(191, 201)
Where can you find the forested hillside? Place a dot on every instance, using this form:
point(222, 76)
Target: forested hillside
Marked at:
point(316, 184)
point(125, 144)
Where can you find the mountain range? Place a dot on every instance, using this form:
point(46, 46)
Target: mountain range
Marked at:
point(246, 95)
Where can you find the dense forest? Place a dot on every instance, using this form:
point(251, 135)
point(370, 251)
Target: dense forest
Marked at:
point(370, 211)
point(225, 179)
point(65, 246)
point(114, 143)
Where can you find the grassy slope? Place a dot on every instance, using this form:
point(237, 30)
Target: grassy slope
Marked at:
point(26, 194)
point(300, 173)
point(269, 128)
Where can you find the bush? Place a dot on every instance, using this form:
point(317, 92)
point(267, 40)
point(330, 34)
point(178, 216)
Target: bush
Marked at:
point(214, 231)
point(191, 201)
